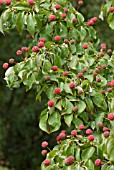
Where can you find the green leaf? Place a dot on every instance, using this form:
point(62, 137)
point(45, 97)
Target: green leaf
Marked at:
point(67, 88)
point(90, 164)
point(1, 29)
point(47, 66)
point(104, 167)
point(111, 20)
point(57, 61)
point(80, 17)
point(20, 22)
point(68, 119)
point(77, 154)
point(111, 155)
point(81, 106)
point(89, 104)
point(31, 24)
point(77, 121)
point(87, 153)
point(43, 121)
point(69, 107)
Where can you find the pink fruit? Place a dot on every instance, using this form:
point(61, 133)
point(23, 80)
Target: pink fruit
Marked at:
point(62, 135)
point(80, 91)
point(58, 138)
point(71, 85)
point(95, 19)
point(81, 127)
point(111, 116)
point(109, 51)
point(90, 22)
point(8, 2)
point(44, 152)
point(103, 46)
point(85, 46)
point(80, 2)
point(98, 79)
point(101, 54)
point(89, 132)
point(50, 103)
point(74, 20)
point(63, 131)
point(47, 162)
point(52, 17)
point(47, 77)
point(5, 66)
point(63, 15)
point(31, 2)
point(44, 144)
point(111, 9)
point(54, 68)
point(105, 129)
point(103, 66)
point(57, 90)
point(35, 49)
point(57, 6)
point(100, 124)
point(69, 160)
point(94, 73)
point(103, 91)
point(42, 39)
point(109, 89)
point(72, 41)
point(97, 162)
point(106, 134)
point(1, 2)
point(91, 138)
point(24, 49)
point(11, 60)
point(19, 52)
point(66, 41)
point(75, 108)
point(65, 10)
point(112, 83)
point(57, 38)
point(65, 73)
point(73, 132)
point(80, 75)
point(84, 70)
point(41, 44)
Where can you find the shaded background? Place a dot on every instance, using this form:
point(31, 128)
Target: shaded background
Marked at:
point(20, 136)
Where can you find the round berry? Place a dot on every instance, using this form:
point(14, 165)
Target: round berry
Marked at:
point(109, 89)
point(41, 44)
point(80, 75)
point(58, 138)
point(11, 60)
point(91, 138)
point(19, 52)
point(65, 73)
point(69, 160)
point(98, 79)
point(73, 132)
point(100, 124)
point(47, 77)
point(31, 2)
point(89, 132)
point(63, 15)
point(103, 91)
point(106, 134)
point(1, 2)
point(35, 49)
point(50, 103)
point(72, 85)
point(111, 116)
point(65, 10)
point(80, 2)
point(109, 51)
point(75, 108)
point(84, 70)
point(66, 41)
point(80, 91)
point(57, 38)
point(54, 68)
point(72, 41)
point(44, 144)
point(101, 54)
point(97, 162)
point(57, 90)
point(74, 20)
point(47, 162)
point(24, 49)
point(42, 39)
point(44, 152)
point(111, 9)
point(52, 17)
point(112, 83)
point(81, 127)
point(5, 66)
point(105, 129)
point(57, 6)
point(62, 135)
point(103, 46)
point(8, 2)
point(85, 46)
point(90, 22)
point(95, 19)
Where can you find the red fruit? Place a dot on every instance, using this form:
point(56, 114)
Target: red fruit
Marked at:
point(80, 91)
point(54, 68)
point(109, 51)
point(66, 41)
point(44, 152)
point(63, 131)
point(1, 2)
point(72, 41)
point(80, 75)
point(103, 66)
point(52, 17)
point(31, 2)
point(109, 90)
point(41, 44)
point(19, 52)
point(103, 46)
point(74, 20)
point(100, 124)
point(73, 132)
point(57, 6)
point(80, 2)
point(103, 91)
point(42, 39)
point(94, 73)
point(35, 49)
point(105, 129)
point(8, 2)
point(90, 22)
point(57, 90)
point(97, 70)
point(47, 162)
point(71, 85)
point(47, 77)
point(50, 103)
point(11, 60)
point(24, 49)
point(91, 138)
point(57, 38)
point(65, 73)
point(63, 15)
point(109, 84)
point(58, 138)
point(62, 135)
point(98, 79)
point(106, 134)
point(69, 160)
point(111, 116)
point(85, 46)
point(5, 66)
point(112, 83)
point(84, 70)
point(95, 19)
point(111, 9)
point(101, 54)
point(89, 132)
point(81, 127)
point(44, 144)
point(65, 10)
point(75, 108)
point(97, 162)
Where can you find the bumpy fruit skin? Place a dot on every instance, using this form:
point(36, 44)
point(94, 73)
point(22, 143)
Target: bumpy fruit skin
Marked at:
point(95, 19)
point(89, 132)
point(54, 68)
point(84, 70)
point(103, 66)
point(5, 66)
point(50, 103)
point(42, 39)
point(91, 138)
point(98, 79)
point(69, 160)
point(8, 2)
point(73, 132)
point(57, 90)
point(90, 22)
point(65, 73)
point(80, 75)
point(1, 2)
point(57, 6)
point(72, 41)
point(44, 144)
point(47, 162)
point(112, 83)
point(44, 152)
point(65, 10)
point(31, 2)
point(109, 90)
point(80, 2)
point(106, 134)
point(63, 131)
point(100, 124)
point(111, 9)
point(103, 91)
point(19, 52)
point(109, 51)
point(72, 85)
point(97, 162)
point(75, 108)
point(103, 46)
point(74, 20)
point(47, 77)
point(62, 135)
point(80, 91)
point(63, 15)
point(57, 38)
point(85, 46)
point(24, 49)
point(101, 54)
point(105, 129)
point(58, 138)
point(66, 41)
point(81, 127)
point(35, 49)
point(11, 60)
point(41, 44)
point(52, 17)
point(111, 116)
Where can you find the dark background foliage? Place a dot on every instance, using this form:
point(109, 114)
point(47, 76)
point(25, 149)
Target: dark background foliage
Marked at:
point(20, 136)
